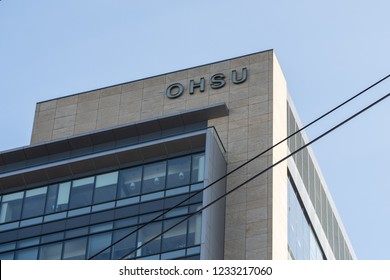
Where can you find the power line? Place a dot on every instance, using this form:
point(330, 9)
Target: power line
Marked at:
point(260, 173)
point(242, 165)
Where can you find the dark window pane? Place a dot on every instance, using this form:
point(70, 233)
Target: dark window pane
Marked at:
point(154, 177)
point(75, 249)
point(50, 252)
point(34, 203)
point(105, 188)
point(179, 172)
point(81, 194)
point(153, 206)
point(129, 182)
point(145, 235)
point(51, 199)
point(76, 232)
point(197, 174)
point(125, 246)
point(27, 242)
point(176, 237)
point(27, 254)
point(52, 237)
point(11, 207)
point(63, 196)
point(7, 256)
point(194, 230)
point(97, 243)
point(58, 198)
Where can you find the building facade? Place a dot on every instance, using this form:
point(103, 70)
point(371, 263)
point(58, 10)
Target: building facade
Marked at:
point(120, 173)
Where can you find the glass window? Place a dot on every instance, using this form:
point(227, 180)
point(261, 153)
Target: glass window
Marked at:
point(173, 255)
point(302, 242)
point(154, 177)
point(51, 199)
point(76, 232)
point(130, 182)
point(124, 246)
point(7, 256)
point(101, 227)
point(27, 254)
point(81, 194)
point(58, 198)
point(52, 237)
point(7, 246)
point(34, 203)
point(97, 243)
point(175, 238)
point(179, 172)
point(194, 230)
point(105, 188)
point(197, 168)
point(11, 207)
point(50, 252)
point(145, 235)
point(27, 242)
point(75, 249)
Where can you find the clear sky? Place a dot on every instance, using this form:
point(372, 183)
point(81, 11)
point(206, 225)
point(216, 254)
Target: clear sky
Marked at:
point(328, 50)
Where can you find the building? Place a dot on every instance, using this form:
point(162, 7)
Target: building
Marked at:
point(104, 162)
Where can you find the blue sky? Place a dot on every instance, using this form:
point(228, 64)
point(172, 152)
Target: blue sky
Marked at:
point(328, 50)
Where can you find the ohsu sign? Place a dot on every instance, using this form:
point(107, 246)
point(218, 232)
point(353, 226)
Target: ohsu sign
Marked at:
point(216, 81)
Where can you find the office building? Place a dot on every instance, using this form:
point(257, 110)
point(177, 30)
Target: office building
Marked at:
point(103, 163)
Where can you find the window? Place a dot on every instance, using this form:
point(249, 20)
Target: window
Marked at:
point(175, 238)
point(194, 229)
point(50, 252)
point(57, 198)
point(141, 194)
point(125, 246)
point(130, 182)
point(197, 168)
point(11, 207)
point(81, 193)
point(302, 242)
point(154, 177)
point(105, 188)
point(97, 243)
point(178, 172)
point(145, 235)
point(75, 249)
point(27, 254)
point(34, 203)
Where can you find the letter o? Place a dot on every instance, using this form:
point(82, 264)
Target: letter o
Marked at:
point(170, 93)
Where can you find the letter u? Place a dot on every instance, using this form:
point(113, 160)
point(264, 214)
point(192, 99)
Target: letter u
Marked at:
point(244, 76)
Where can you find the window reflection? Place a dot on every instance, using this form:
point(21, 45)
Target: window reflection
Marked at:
point(105, 189)
point(34, 202)
point(124, 246)
point(97, 243)
point(11, 207)
point(27, 254)
point(154, 177)
point(301, 239)
point(81, 193)
point(145, 235)
point(176, 237)
point(178, 171)
point(197, 168)
point(75, 249)
point(130, 182)
point(50, 252)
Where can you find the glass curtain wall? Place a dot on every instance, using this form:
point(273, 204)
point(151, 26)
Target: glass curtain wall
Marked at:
point(132, 196)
